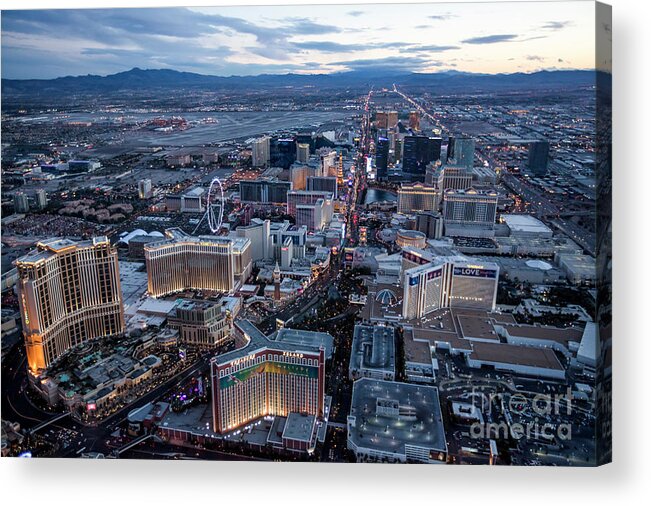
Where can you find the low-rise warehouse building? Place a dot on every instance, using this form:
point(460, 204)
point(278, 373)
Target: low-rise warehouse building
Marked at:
point(373, 353)
point(396, 422)
point(537, 362)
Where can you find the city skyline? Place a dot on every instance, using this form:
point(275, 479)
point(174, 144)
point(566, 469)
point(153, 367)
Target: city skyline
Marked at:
point(309, 39)
point(378, 265)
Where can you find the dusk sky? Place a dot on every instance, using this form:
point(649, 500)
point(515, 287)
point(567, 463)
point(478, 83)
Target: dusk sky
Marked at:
point(300, 39)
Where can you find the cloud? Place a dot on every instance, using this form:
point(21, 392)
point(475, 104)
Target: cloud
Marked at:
point(397, 63)
point(535, 58)
point(433, 48)
point(441, 17)
point(52, 43)
point(327, 46)
point(556, 25)
point(143, 37)
point(490, 39)
point(305, 26)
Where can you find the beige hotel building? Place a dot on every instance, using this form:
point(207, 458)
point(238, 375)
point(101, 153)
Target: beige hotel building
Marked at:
point(184, 262)
point(69, 292)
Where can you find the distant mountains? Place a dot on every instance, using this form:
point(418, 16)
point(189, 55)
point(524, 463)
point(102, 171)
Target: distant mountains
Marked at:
point(139, 80)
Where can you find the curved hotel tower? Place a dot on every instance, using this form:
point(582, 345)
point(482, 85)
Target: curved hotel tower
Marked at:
point(69, 292)
point(185, 262)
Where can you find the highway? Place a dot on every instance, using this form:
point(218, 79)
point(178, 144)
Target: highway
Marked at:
point(418, 107)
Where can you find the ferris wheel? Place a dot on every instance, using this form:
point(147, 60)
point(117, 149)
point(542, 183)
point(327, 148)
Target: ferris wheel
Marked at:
point(214, 199)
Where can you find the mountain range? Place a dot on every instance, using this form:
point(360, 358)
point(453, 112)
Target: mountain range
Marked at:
point(138, 80)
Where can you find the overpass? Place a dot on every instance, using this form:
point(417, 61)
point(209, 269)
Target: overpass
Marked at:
point(119, 451)
point(49, 422)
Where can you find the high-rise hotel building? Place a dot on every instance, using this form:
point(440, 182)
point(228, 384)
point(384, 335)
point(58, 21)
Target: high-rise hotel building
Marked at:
point(266, 378)
point(453, 177)
point(260, 152)
point(185, 262)
point(296, 197)
point(69, 292)
point(453, 282)
point(465, 209)
point(413, 198)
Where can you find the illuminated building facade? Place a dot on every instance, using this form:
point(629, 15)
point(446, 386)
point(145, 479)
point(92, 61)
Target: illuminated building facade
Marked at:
point(314, 216)
point(418, 197)
point(302, 152)
point(200, 323)
point(411, 238)
point(145, 189)
point(414, 120)
point(266, 378)
point(185, 262)
point(298, 175)
point(470, 207)
point(455, 178)
point(69, 292)
point(381, 119)
point(449, 283)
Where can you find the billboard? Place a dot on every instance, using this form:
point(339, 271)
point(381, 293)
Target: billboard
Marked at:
point(475, 272)
point(268, 367)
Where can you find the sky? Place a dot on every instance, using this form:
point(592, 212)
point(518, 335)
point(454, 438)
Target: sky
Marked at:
point(486, 38)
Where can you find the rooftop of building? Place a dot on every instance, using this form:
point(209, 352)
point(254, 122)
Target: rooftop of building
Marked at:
point(544, 332)
point(195, 192)
point(578, 262)
point(173, 235)
point(379, 309)
point(411, 234)
point(299, 427)
point(476, 327)
point(543, 358)
point(438, 337)
point(525, 223)
point(49, 247)
point(256, 340)
point(196, 420)
point(453, 328)
point(157, 306)
point(417, 419)
point(373, 348)
point(421, 187)
point(470, 192)
point(417, 352)
point(302, 338)
point(199, 304)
